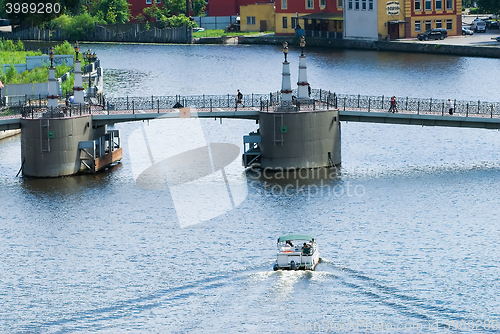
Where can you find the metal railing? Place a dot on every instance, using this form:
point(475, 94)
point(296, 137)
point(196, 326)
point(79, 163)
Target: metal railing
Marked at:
point(268, 102)
point(55, 112)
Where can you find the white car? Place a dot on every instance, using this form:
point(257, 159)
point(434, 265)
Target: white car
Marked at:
point(467, 31)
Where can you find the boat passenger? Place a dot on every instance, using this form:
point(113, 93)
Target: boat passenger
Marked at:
point(289, 243)
point(306, 249)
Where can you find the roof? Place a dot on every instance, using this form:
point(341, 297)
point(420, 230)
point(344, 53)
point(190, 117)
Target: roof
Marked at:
point(323, 16)
point(295, 237)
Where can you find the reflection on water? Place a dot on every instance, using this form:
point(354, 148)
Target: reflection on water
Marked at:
point(70, 185)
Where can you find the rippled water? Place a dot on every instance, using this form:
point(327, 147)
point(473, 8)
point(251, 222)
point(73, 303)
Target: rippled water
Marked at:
point(407, 228)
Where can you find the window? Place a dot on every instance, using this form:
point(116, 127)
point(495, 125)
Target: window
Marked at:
point(439, 4)
point(449, 4)
point(356, 5)
point(439, 24)
point(349, 4)
point(370, 4)
point(428, 25)
point(418, 5)
point(158, 1)
point(428, 4)
point(417, 26)
point(340, 3)
point(309, 4)
point(285, 22)
point(322, 3)
point(295, 21)
point(250, 19)
point(363, 4)
point(149, 2)
point(449, 24)
point(283, 4)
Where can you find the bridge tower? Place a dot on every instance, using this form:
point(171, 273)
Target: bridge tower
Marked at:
point(303, 85)
point(52, 96)
point(302, 133)
point(78, 86)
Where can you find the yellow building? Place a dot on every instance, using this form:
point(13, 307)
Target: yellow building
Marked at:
point(257, 17)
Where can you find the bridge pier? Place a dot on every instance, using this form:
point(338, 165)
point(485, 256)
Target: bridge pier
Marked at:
point(52, 146)
point(300, 139)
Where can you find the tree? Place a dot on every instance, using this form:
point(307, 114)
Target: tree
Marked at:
point(111, 11)
point(489, 6)
point(179, 7)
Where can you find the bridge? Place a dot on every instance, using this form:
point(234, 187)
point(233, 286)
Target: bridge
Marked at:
point(352, 108)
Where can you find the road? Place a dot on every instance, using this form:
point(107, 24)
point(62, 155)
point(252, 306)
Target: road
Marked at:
point(478, 39)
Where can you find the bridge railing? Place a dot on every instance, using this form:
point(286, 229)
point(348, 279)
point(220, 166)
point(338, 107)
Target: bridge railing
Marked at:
point(266, 102)
point(202, 102)
point(412, 105)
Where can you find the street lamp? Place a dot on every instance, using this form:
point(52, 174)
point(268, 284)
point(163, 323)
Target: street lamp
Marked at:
point(77, 48)
point(285, 49)
point(51, 55)
point(302, 44)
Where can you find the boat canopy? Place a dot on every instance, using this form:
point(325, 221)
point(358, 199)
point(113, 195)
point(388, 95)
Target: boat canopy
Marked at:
point(295, 237)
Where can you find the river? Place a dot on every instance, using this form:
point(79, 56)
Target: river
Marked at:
point(407, 227)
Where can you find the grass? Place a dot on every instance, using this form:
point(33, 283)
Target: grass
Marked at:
point(16, 57)
point(221, 33)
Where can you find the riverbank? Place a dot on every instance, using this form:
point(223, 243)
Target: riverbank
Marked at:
point(477, 45)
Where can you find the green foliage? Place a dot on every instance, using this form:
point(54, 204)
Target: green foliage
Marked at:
point(198, 7)
point(67, 86)
point(147, 27)
point(37, 75)
point(19, 45)
point(179, 21)
point(489, 6)
point(61, 69)
point(64, 49)
point(10, 75)
point(110, 11)
point(16, 57)
point(8, 45)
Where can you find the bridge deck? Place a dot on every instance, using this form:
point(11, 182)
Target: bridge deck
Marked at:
point(469, 120)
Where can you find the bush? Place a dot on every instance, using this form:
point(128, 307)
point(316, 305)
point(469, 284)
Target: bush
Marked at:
point(76, 27)
point(64, 49)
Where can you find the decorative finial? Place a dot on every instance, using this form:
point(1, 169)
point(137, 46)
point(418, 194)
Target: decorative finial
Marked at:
point(285, 49)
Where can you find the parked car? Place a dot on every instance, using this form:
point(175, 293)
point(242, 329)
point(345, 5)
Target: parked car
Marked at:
point(438, 33)
point(467, 31)
point(478, 25)
point(498, 39)
point(493, 25)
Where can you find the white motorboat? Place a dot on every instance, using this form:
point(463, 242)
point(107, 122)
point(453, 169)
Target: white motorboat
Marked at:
point(297, 252)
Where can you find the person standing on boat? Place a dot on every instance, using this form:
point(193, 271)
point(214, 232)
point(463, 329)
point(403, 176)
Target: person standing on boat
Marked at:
point(450, 107)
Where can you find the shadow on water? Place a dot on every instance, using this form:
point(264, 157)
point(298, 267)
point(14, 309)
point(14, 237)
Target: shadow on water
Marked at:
point(68, 185)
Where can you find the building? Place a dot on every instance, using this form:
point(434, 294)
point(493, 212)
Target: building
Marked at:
point(257, 17)
point(393, 19)
point(311, 15)
point(136, 7)
point(228, 7)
